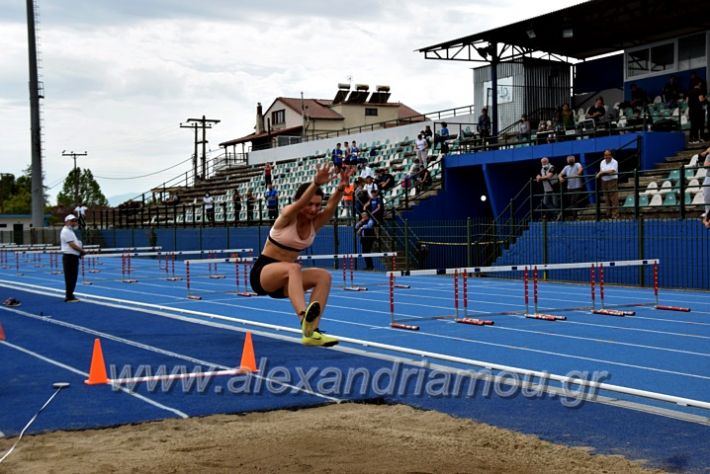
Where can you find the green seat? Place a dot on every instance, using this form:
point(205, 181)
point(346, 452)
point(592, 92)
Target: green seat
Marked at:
point(670, 200)
point(689, 174)
point(674, 175)
point(629, 202)
point(643, 200)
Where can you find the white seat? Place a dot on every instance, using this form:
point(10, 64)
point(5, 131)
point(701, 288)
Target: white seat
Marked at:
point(651, 189)
point(666, 187)
point(698, 199)
point(656, 200)
point(693, 185)
point(693, 161)
point(702, 172)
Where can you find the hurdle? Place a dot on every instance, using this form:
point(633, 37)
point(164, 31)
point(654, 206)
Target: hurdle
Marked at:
point(534, 271)
point(536, 314)
point(246, 263)
point(352, 286)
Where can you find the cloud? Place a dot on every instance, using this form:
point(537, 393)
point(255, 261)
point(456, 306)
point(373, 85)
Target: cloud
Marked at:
point(120, 77)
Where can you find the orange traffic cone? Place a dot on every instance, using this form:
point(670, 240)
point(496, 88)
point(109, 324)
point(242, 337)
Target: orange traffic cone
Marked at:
point(2, 333)
point(248, 359)
point(97, 372)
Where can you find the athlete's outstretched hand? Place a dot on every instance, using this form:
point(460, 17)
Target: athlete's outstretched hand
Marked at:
point(324, 174)
point(346, 174)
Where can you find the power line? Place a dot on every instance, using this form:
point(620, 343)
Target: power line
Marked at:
point(145, 175)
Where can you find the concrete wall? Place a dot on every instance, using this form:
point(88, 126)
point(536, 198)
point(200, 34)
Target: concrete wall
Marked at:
point(321, 146)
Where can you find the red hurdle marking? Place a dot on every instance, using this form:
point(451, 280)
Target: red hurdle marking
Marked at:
point(613, 312)
point(172, 276)
point(592, 283)
point(672, 308)
point(393, 324)
point(601, 284)
point(126, 269)
point(394, 268)
point(525, 292)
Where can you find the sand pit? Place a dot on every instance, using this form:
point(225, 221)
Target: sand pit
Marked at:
point(346, 438)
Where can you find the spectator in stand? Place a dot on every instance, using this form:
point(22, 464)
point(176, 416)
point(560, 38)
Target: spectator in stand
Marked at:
point(638, 96)
point(237, 204)
point(267, 174)
point(80, 212)
point(367, 171)
point(348, 199)
point(566, 117)
point(548, 178)
point(373, 155)
point(609, 175)
point(337, 157)
point(574, 196)
point(370, 186)
point(696, 114)
point(365, 228)
point(597, 112)
point(272, 202)
point(484, 125)
point(524, 128)
point(346, 153)
point(424, 178)
point(361, 196)
point(671, 92)
point(251, 201)
point(354, 154)
point(442, 137)
point(384, 180)
point(208, 205)
point(421, 146)
point(376, 207)
point(428, 135)
point(706, 188)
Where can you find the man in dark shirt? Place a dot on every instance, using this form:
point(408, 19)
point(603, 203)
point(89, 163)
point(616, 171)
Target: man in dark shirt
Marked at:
point(696, 101)
point(484, 124)
point(597, 112)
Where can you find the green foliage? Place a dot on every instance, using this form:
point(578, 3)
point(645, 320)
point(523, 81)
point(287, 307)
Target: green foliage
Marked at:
point(16, 194)
point(80, 187)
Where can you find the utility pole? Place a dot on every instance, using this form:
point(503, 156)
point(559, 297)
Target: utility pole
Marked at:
point(201, 123)
point(35, 125)
point(76, 178)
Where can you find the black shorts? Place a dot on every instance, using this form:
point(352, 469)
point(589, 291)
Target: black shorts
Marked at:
point(255, 277)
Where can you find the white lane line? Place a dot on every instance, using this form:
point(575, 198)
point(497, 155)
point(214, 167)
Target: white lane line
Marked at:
point(157, 350)
point(506, 346)
point(84, 374)
point(380, 346)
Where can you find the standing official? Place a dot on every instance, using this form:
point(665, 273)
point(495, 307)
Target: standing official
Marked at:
point(72, 250)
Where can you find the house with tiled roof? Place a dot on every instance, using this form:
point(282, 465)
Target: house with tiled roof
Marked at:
point(292, 120)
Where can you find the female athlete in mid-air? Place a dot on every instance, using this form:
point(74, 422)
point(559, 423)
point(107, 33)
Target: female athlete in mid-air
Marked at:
point(277, 273)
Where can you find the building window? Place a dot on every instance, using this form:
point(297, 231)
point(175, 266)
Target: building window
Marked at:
point(691, 52)
point(637, 63)
point(370, 112)
point(662, 57)
point(278, 117)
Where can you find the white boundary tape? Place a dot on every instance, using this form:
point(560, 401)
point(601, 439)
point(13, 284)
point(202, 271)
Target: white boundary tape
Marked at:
point(514, 268)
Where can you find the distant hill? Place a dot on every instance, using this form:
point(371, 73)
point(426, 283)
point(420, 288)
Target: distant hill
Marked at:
point(120, 198)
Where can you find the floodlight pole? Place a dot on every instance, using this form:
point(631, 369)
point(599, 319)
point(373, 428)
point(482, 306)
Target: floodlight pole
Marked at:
point(495, 60)
point(35, 126)
point(204, 123)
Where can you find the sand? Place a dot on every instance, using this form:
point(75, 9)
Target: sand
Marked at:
point(346, 438)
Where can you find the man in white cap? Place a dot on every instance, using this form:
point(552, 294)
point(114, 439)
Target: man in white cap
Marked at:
point(72, 251)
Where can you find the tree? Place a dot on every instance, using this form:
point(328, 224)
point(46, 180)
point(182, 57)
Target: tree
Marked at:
point(16, 194)
point(80, 187)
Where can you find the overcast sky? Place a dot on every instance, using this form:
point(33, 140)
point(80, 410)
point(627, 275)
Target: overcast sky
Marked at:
point(120, 75)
